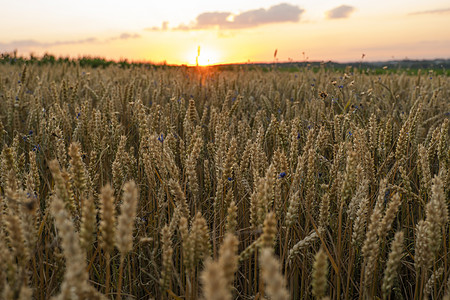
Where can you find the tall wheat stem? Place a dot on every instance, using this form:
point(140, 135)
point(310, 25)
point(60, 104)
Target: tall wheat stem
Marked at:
point(119, 284)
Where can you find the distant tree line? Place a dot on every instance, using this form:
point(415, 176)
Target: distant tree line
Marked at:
point(49, 59)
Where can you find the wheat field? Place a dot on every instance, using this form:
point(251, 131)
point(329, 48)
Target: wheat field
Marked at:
point(200, 183)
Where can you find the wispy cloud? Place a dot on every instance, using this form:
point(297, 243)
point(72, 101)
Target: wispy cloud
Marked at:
point(340, 12)
point(419, 49)
point(164, 27)
point(125, 36)
point(434, 11)
point(34, 43)
point(26, 44)
point(280, 13)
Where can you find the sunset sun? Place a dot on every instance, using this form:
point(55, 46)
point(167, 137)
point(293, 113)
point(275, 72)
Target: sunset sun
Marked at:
point(204, 56)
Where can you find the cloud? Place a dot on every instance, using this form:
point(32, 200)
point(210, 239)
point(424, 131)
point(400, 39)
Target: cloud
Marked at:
point(34, 43)
point(423, 49)
point(434, 11)
point(164, 27)
point(26, 44)
point(280, 13)
point(125, 36)
point(340, 12)
point(418, 46)
point(211, 19)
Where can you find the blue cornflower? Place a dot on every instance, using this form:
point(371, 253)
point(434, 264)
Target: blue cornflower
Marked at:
point(17, 98)
point(230, 179)
point(161, 138)
point(30, 132)
point(350, 133)
point(341, 86)
point(298, 135)
point(24, 137)
point(386, 195)
point(78, 115)
point(282, 175)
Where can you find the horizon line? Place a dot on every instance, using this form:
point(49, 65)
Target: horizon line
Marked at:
point(32, 56)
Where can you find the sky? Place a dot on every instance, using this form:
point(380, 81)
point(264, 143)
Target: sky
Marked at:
point(233, 31)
